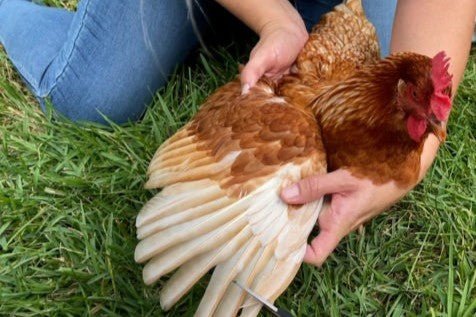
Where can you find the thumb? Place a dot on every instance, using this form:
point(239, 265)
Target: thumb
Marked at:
point(253, 70)
point(316, 186)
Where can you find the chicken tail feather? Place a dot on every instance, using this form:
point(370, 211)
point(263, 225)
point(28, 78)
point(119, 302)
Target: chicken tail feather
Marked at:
point(355, 6)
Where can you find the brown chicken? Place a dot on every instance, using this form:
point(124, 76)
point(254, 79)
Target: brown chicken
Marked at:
point(222, 173)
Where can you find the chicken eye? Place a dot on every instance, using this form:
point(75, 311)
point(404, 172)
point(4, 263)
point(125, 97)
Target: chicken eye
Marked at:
point(415, 95)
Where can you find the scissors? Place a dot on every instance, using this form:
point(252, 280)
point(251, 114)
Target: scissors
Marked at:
point(270, 307)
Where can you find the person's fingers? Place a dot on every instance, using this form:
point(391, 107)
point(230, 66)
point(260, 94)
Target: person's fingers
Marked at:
point(322, 246)
point(334, 223)
point(314, 187)
point(277, 74)
point(253, 70)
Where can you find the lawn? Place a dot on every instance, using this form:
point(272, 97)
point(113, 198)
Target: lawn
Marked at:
point(69, 196)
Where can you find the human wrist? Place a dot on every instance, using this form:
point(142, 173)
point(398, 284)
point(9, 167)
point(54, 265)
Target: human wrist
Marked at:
point(428, 154)
point(267, 16)
point(295, 28)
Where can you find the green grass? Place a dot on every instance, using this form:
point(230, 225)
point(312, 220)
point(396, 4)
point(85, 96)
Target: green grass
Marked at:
point(69, 196)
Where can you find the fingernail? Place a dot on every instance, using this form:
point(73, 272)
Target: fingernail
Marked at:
point(291, 192)
point(245, 89)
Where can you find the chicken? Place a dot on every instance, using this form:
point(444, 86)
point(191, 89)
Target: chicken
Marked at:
point(222, 172)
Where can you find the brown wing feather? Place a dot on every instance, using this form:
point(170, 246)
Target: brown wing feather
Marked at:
point(267, 130)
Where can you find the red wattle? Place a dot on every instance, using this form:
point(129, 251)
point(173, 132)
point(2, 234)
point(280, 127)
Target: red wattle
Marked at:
point(416, 128)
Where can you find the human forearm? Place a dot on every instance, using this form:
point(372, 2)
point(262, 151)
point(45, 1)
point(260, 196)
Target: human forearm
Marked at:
point(263, 14)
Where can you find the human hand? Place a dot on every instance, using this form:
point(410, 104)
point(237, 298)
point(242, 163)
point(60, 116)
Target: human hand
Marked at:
point(273, 55)
point(354, 201)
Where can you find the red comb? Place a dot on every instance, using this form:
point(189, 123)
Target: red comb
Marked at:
point(440, 101)
point(439, 71)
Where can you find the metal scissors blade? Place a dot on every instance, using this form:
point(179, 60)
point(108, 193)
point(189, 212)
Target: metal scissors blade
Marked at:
point(270, 307)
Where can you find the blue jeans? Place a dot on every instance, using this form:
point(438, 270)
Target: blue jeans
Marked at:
point(109, 57)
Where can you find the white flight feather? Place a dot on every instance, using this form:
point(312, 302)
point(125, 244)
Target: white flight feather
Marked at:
point(160, 177)
point(172, 258)
point(273, 280)
point(162, 205)
point(194, 269)
point(182, 216)
point(162, 240)
point(223, 275)
point(194, 224)
point(234, 295)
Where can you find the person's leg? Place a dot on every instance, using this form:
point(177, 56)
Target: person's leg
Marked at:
point(32, 36)
point(116, 54)
point(380, 13)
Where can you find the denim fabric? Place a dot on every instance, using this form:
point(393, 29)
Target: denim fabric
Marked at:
point(109, 57)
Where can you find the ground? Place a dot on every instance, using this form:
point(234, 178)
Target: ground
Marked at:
point(69, 196)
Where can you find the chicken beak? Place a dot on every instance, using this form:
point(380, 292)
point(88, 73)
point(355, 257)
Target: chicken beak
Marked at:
point(438, 129)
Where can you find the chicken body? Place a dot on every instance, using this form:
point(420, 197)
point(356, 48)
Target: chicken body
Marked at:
point(222, 173)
